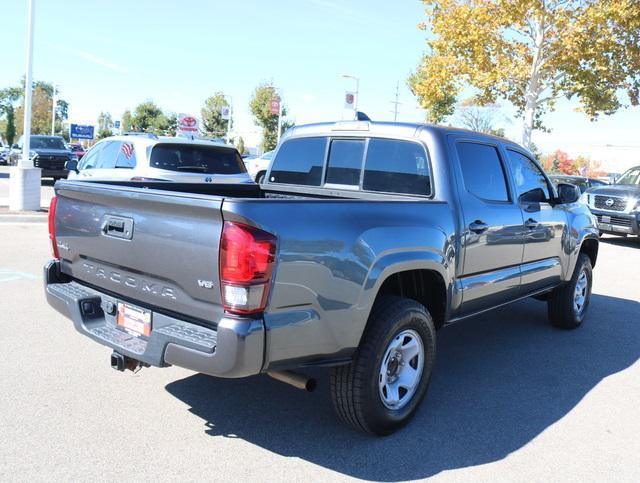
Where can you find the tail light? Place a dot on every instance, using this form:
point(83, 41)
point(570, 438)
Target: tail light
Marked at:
point(247, 257)
point(52, 227)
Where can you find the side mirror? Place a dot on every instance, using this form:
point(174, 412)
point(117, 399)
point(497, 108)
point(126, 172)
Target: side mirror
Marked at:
point(568, 193)
point(536, 195)
point(71, 165)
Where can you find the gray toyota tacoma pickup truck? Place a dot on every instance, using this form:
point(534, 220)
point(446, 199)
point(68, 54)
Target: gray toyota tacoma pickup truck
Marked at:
point(363, 240)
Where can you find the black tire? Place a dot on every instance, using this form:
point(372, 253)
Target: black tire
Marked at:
point(562, 312)
point(260, 177)
point(355, 392)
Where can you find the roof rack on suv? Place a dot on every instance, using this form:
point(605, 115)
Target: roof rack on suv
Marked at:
point(145, 134)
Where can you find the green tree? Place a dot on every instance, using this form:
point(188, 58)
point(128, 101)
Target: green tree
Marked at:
point(148, 117)
point(105, 122)
point(211, 114)
point(260, 105)
point(239, 142)
point(531, 53)
point(103, 133)
point(10, 130)
point(41, 106)
point(125, 122)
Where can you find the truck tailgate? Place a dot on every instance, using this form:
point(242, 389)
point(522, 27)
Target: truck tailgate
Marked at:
point(155, 248)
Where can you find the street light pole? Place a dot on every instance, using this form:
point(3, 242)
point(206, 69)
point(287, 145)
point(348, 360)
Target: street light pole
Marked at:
point(24, 182)
point(230, 116)
point(279, 118)
point(25, 162)
point(53, 111)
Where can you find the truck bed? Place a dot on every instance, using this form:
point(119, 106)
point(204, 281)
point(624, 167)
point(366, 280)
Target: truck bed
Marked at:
point(331, 253)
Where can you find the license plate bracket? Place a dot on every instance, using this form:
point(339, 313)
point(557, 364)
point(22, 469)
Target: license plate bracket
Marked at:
point(134, 320)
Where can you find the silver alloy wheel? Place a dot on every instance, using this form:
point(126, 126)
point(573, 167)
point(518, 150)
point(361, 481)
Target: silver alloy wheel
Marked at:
point(401, 369)
point(581, 292)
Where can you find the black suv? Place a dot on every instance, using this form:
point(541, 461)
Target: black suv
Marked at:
point(617, 206)
point(48, 153)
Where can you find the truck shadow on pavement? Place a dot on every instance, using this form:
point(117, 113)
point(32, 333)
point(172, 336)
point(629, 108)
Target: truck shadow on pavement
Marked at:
point(620, 241)
point(500, 380)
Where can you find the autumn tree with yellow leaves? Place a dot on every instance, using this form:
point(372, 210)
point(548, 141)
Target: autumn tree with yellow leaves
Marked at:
point(530, 53)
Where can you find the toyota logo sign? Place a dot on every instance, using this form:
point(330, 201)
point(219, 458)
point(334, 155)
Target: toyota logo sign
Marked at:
point(189, 121)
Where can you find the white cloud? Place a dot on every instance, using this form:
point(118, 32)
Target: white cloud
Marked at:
point(94, 59)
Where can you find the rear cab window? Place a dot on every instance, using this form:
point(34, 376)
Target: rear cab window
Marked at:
point(394, 166)
point(390, 166)
point(299, 161)
point(196, 158)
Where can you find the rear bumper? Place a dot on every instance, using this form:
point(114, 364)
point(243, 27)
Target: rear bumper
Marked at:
point(234, 349)
point(54, 173)
point(617, 223)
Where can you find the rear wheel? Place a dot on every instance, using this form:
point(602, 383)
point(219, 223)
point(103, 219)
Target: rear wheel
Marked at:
point(568, 304)
point(260, 177)
point(380, 391)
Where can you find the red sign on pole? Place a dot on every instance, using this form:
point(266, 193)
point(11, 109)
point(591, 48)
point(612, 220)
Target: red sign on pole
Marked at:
point(274, 106)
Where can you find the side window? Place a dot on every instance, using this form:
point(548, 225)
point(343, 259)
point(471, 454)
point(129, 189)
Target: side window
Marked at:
point(88, 161)
point(531, 183)
point(299, 161)
point(126, 157)
point(482, 171)
point(107, 156)
point(345, 161)
point(394, 166)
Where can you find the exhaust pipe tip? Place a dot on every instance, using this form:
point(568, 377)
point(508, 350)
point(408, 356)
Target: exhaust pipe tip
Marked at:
point(294, 379)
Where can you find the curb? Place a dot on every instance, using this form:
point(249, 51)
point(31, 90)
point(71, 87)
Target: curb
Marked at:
point(20, 218)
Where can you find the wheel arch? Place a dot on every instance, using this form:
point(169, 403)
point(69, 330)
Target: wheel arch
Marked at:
point(590, 247)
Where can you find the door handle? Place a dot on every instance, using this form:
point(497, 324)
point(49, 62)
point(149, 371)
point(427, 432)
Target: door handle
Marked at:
point(531, 224)
point(478, 227)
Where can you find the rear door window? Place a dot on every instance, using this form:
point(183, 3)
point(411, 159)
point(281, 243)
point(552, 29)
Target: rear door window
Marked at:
point(106, 158)
point(395, 166)
point(482, 171)
point(299, 161)
point(88, 161)
point(126, 157)
point(345, 161)
point(196, 158)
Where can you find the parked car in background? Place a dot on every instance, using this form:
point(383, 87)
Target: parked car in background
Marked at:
point(4, 154)
point(580, 181)
point(257, 167)
point(363, 240)
point(77, 149)
point(617, 206)
point(149, 158)
point(48, 153)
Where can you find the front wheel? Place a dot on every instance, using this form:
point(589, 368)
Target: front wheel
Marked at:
point(260, 177)
point(568, 303)
point(380, 391)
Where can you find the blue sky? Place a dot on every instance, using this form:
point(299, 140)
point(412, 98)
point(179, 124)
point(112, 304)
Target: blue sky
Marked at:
point(109, 56)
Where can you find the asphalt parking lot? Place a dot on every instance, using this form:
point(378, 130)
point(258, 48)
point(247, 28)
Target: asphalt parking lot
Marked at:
point(512, 399)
